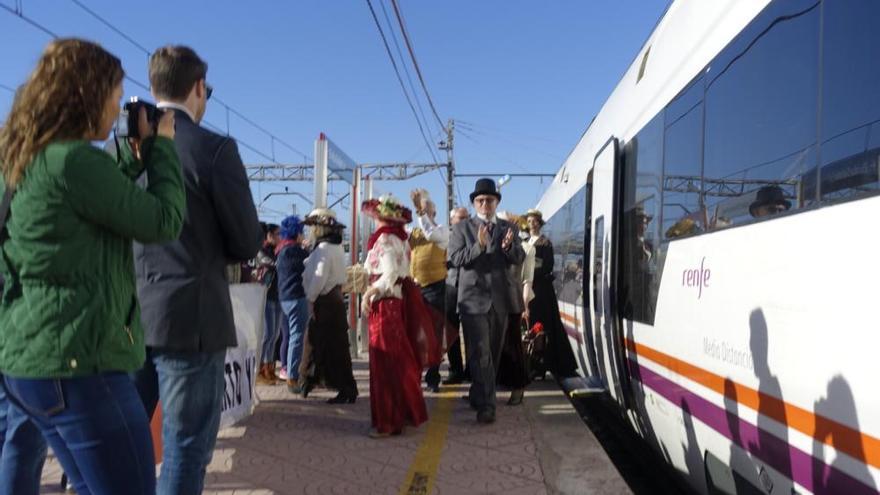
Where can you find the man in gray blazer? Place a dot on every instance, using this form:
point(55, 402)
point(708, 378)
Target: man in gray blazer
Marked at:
point(482, 248)
point(184, 295)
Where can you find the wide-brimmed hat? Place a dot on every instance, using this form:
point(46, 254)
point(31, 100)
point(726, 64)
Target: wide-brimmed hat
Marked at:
point(639, 212)
point(769, 195)
point(291, 227)
point(531, 212)
point(387, 209)
point(323, 216)
point(485, 186)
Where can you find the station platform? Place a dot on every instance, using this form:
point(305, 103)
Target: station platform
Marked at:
point(292, 445)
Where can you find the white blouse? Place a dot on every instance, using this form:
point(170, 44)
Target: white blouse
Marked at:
point(528, 272)
point(324, 270)
point(389, 259)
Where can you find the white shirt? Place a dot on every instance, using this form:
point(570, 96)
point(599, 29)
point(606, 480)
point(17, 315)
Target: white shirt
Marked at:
point(324, 270)
point(438, 234)
point(176, 106)
point(482, 217)
point(389, 259)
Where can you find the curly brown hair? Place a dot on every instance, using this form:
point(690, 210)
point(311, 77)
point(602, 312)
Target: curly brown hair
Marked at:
point(63, 98)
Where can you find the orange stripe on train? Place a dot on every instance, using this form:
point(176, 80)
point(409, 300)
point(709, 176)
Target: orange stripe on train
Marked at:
point(854, 443)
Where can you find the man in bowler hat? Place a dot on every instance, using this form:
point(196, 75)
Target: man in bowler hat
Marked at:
point(482, 248)
point(769, 200)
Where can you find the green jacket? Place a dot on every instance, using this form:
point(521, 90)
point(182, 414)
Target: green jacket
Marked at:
point(69, 305)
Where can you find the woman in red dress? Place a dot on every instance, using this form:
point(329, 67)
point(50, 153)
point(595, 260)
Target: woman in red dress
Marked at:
point(399, 324)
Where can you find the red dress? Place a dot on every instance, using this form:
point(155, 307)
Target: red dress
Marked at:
point(395, 370)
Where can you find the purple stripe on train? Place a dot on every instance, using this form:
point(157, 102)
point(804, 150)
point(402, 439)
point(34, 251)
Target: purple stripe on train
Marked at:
point(770, 449)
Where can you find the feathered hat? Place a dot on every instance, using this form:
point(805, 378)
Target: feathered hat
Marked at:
point(388, 209)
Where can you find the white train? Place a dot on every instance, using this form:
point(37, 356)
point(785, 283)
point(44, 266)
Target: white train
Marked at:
point(716, 235)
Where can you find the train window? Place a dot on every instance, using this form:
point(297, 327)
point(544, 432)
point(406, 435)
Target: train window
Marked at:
point(761, 116)
point(556, 231)
point(850, 100)
point(683, 212)
point(640, 223)
point(572, 250)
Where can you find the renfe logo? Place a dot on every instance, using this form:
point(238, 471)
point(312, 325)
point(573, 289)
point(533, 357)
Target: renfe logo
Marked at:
point(697, 277)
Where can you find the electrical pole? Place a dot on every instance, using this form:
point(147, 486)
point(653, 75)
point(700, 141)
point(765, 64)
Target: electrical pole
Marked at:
point(450, 167)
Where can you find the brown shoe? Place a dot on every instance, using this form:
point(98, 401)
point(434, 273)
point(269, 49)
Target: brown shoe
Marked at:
point(274, 376)
point(263, 377)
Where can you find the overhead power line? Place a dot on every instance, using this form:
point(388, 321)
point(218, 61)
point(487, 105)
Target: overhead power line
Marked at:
point(229, 109)
point(412, 55)
point(18, 12)
point(112, 27)
point(400, 79)
point(412, 86)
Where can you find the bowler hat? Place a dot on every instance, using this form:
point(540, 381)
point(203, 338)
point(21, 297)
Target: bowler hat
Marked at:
point(485, 186)
point(769, 195)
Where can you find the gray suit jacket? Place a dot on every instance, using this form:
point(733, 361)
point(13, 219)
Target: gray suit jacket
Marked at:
point(484, 279)
point(182, 285)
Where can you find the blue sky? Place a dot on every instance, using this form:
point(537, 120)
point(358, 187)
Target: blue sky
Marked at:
point(524, 78)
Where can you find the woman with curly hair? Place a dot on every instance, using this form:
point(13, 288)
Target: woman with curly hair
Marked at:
point(399, 324)
point(69, 312)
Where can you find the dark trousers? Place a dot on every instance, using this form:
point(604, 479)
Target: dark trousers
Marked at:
point(435, 296)
point(96, 426)
point(456, 362)
point(484, 335)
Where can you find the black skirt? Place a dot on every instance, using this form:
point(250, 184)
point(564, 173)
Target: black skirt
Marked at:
point(513, 371)
point(544, 308)
point(330, 359)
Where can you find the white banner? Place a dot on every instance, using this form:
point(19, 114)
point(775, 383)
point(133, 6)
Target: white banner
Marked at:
point(248, 309)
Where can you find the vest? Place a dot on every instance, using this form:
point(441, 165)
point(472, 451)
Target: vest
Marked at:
point(428, 262)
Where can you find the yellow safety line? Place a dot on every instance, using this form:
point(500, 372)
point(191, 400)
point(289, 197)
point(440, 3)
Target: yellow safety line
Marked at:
point(423, 471)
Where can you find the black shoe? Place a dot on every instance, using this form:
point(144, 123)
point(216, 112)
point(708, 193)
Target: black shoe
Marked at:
point(516, 397)
point(307, 387)
point(467, 399)
point(454, 379)
point(343, 398)
point(486, 416)
point(433, 388)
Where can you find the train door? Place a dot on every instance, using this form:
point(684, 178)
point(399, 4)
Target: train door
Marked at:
point(603, 264)
point(589, 344)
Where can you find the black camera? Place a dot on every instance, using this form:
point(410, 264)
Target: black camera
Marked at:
point(127, 122)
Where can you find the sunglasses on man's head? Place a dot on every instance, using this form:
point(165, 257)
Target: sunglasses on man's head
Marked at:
point(209, 90)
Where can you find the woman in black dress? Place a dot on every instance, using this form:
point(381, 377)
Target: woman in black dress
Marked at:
point(544, 308)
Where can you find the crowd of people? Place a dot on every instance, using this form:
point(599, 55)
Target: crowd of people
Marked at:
point(115, 296)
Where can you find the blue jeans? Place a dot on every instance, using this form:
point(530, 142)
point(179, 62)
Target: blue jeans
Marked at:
point(285, 337)
point(297, 312)
point(190, 386)
point(273, 325)
point(22, 450)
point(97, 428)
